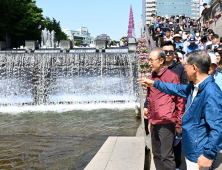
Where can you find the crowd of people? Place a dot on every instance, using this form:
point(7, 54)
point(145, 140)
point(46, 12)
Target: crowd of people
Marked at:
point(184, 33)
point(183, 106)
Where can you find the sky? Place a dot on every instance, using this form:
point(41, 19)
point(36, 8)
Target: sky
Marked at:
point(99, 16)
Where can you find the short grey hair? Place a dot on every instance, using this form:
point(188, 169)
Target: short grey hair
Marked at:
point(161, 54)
point(201, 59)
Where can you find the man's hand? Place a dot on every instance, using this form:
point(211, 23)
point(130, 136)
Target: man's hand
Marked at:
point(149, 128)
point(146, 82)
point(145, 110)
point(204, 162)
point(178, 130)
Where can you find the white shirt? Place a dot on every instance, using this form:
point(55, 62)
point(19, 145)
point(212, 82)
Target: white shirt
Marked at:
point(196, 88)
point(206, 44)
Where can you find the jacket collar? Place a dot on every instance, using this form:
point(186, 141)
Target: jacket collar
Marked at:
point(161, 72)
point(205, 82)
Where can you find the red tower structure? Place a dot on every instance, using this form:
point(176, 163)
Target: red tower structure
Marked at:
point(131, 30)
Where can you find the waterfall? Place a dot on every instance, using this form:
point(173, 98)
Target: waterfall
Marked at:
point(54, 78)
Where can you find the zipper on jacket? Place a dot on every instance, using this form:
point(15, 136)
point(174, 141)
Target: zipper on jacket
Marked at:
point(190, 104)
point(196, 142)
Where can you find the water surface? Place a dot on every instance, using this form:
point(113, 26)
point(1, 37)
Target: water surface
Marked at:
point(60, 136)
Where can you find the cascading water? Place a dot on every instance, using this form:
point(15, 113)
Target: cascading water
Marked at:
point(79, 100)
point(45, 78)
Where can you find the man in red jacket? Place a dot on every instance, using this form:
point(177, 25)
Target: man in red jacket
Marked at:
point(164, 112)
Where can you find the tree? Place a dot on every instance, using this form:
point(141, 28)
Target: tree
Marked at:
point(78, 43)
point(20, 20)
point(54, 25)
point(125, 38)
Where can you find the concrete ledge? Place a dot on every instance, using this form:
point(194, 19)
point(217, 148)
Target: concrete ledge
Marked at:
point(119, 153)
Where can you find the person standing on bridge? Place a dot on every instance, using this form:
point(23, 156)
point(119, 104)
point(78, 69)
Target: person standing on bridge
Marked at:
point(164, 113)
point(202, 120)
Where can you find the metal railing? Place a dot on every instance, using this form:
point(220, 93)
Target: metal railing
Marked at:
point(216, 7)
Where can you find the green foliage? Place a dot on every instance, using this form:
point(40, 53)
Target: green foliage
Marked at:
point(114, 42)
point(54, 25)
point(20, 20)
point(125, 38)
point(77, 43)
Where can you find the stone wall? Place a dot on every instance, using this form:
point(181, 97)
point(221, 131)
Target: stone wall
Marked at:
point(217, 27)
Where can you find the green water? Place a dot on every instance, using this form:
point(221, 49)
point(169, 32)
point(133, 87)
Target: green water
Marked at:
point(59, 140)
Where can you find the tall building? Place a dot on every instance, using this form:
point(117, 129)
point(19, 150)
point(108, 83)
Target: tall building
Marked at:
point(80, 35)
point(148, 8)
point(178, 7)
point(139, 28)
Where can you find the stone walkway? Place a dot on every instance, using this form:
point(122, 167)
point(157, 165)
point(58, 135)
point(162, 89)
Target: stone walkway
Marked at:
point(120, 153)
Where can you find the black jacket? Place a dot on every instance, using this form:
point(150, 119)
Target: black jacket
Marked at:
point(179, 70)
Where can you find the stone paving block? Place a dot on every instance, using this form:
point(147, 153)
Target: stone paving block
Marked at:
point(120, 153)
point(98, 162)
point(108, 145)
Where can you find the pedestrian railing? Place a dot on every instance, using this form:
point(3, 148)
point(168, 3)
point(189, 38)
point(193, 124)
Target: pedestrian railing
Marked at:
point(216, 7)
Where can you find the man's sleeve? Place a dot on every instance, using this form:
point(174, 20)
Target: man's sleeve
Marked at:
point(178, 90)
point(180, 105)
point(213, 117)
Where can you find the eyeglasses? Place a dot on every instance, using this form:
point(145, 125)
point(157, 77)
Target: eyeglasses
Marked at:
point(151, 61)
point(170, 52)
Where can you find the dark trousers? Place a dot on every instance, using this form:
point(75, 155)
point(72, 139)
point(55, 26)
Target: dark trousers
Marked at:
point(162, 137)
point(177, 152)
point(146, 123)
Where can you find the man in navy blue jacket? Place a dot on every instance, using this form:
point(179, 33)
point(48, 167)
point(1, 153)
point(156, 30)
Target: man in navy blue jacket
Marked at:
point(202, 120)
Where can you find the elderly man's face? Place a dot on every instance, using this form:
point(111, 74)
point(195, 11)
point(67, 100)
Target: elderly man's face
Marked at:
point(189, 70)
point(154, 62)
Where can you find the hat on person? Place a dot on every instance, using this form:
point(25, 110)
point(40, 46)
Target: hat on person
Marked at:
point(165, 26)
point(161, 23)
point(213, 57)
point(177, 36)
point(177, 18)
point(170, 23)
point(177, 139)
point(162, 17)
point(192, 40)
point(194, 24)
point(172, 16)
point(204, 4)
point(183, 15)
point(187, 30)
point(180, 15)
point(166, 17)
